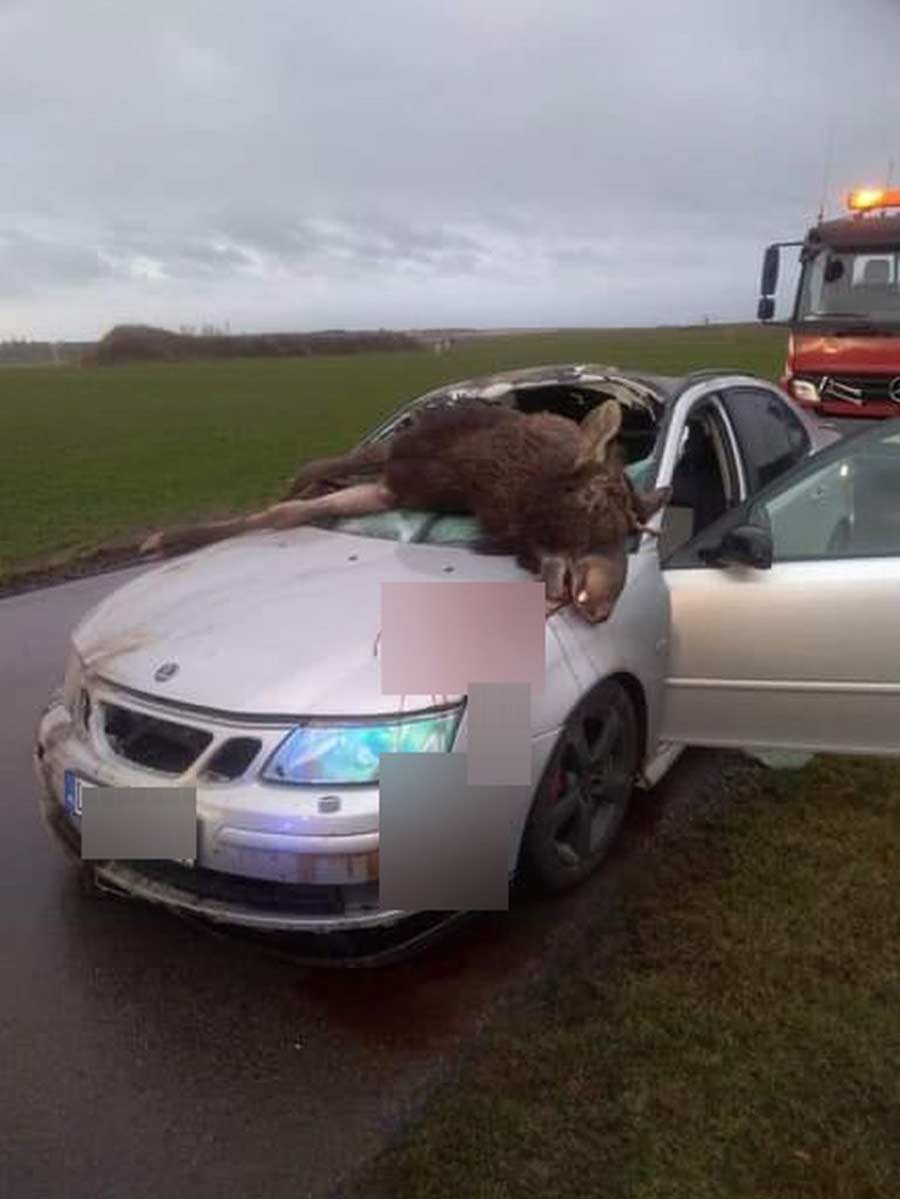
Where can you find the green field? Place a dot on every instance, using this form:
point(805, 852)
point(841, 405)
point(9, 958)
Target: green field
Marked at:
point(92, 456)
point(728, 1028)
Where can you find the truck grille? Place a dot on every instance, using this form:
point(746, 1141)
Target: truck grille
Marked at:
point(865, 388)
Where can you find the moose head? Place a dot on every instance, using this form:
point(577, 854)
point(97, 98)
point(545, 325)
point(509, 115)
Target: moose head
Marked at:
point(579, 523)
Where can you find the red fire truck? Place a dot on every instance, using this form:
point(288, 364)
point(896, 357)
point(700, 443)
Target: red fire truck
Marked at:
point(843, 357)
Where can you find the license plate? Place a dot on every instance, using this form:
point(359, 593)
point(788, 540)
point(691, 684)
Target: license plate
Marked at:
point(74, 786)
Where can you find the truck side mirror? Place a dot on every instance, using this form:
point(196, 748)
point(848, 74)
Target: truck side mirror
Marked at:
point(769, 282)
point(765, 310)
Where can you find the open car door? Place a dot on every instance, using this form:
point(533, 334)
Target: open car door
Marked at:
point(785, 613)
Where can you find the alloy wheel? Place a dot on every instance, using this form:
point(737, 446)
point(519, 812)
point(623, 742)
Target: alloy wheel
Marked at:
point(585, 791)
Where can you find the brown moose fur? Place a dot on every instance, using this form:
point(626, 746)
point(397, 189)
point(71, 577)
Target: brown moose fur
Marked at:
point(513, 471)
point(555, 493)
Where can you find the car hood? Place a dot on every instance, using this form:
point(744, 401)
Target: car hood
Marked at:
point(270, 623)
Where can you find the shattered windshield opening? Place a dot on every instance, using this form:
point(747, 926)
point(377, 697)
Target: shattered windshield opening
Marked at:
point(638, 436)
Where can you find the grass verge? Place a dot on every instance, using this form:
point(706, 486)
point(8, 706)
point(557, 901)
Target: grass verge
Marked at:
point(740, 1040)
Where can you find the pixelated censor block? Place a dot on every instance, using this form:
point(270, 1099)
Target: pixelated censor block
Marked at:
point(443, 846)
point(498, 746)
point(437, 638)
point(139, 822)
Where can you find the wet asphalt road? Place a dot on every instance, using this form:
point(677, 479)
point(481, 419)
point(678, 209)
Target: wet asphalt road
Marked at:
point(142, 1056)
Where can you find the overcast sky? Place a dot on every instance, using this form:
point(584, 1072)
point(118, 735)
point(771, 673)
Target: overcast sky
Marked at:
point(284, 164)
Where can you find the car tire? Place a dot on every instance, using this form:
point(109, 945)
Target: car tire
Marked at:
point(584, 792)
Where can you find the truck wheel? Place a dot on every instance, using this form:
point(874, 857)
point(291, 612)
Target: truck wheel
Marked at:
point(584, 792)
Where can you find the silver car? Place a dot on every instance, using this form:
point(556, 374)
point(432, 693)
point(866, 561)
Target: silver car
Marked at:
point(760, 616)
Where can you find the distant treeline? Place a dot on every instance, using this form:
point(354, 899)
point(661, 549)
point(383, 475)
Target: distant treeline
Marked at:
point(145, 343)
point(21, 352)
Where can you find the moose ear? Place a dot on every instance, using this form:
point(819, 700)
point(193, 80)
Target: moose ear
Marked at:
point(597, 431)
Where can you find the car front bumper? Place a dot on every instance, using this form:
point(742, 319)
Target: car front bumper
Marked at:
point(241, 876)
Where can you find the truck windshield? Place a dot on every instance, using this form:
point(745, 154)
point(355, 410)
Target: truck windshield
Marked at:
point(858, 288)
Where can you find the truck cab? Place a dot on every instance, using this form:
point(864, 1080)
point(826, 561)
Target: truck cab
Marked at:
point(843, 354)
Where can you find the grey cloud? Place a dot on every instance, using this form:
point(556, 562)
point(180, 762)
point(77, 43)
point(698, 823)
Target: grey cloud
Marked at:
point(432, 144)
point(31, 264)
point(81, 255)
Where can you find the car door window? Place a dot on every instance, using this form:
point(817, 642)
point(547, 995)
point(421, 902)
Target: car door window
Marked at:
point(704, 482)
point(847, 507)
point(771, 438)
point(842, 503)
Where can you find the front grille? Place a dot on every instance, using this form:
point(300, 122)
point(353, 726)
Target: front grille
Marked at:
point(236, 889)
point(232, 759)
point(161, 745)
point(865, 388)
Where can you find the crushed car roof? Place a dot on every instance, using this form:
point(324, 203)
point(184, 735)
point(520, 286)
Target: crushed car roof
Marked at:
point(636, 389)
point(591, 375)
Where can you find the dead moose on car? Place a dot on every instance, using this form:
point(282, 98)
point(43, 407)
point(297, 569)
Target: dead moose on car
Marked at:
point(731, 629)
point(553, 492)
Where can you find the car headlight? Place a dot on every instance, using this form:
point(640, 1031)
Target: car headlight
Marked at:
point(335, 753)
point(72, 680)
point(805, 391)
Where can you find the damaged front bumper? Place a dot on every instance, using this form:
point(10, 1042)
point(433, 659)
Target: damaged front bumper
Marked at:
point(239, 898)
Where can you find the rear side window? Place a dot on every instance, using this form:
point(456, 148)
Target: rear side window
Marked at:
point(772, 440)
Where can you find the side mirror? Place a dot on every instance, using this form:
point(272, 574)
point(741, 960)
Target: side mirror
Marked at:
point(765, 309)
point(747, 545)
point(769, 282)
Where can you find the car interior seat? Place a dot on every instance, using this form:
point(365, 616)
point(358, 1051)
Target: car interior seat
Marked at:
point(697, 481)
point(877, 273)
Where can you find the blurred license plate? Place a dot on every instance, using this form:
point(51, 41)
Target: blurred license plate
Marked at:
point(74, 786)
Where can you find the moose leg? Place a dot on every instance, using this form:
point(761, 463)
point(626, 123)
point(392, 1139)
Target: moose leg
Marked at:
point(370, 457)
point(352, 501)
point(359, 500)
point(183, 538)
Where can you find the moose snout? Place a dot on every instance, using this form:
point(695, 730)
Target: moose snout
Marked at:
point(597, 583)
point(594, 611)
